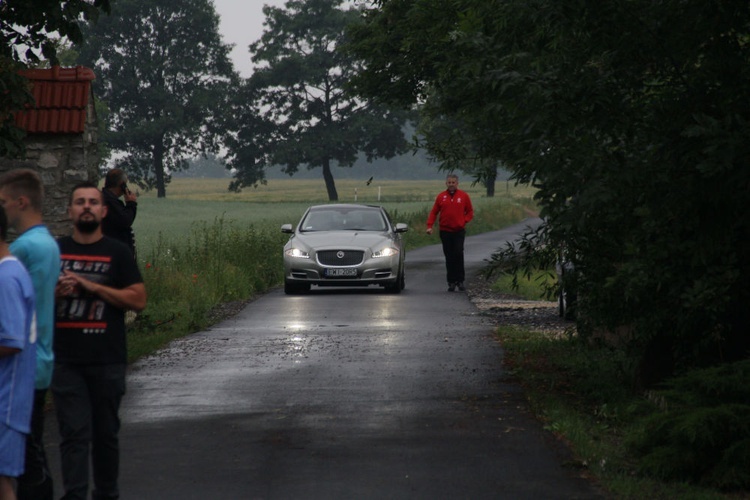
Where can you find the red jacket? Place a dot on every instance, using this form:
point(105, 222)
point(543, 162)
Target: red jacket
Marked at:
point(455, 211)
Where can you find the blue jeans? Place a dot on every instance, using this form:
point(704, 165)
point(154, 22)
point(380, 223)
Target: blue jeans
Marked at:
point(87, 402)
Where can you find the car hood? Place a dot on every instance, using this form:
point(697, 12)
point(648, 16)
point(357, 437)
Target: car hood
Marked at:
point(342, 239)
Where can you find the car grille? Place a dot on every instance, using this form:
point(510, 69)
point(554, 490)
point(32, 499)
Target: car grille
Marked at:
point(340, 257)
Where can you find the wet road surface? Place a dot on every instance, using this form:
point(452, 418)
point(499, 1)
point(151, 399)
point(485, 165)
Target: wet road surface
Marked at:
point(340, 394)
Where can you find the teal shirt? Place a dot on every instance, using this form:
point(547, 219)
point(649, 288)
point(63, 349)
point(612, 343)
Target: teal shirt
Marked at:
point(38, 252)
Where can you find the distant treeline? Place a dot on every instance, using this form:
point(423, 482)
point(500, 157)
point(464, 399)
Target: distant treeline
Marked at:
point(404, 167)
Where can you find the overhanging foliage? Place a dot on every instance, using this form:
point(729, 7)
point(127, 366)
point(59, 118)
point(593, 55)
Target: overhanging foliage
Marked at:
point(631, 118)
point(29, 34)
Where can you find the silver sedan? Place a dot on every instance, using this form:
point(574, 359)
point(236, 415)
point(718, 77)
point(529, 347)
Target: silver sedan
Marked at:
point(344, 245)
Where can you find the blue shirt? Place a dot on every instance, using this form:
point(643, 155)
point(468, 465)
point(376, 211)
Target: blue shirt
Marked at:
point(17, 331)
point(38, 252)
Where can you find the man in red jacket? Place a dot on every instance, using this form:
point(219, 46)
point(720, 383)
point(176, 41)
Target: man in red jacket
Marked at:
point(454, 207)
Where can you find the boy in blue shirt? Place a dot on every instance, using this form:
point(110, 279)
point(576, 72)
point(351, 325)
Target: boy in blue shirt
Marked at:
point(17, 362)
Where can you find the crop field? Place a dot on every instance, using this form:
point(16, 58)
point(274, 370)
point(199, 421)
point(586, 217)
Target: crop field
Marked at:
point(314, 191)
point(193, 203)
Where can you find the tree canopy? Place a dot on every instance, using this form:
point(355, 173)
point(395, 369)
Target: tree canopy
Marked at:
point(165, 74)
point(29, 33)
point(632, 120)
point(296, 110)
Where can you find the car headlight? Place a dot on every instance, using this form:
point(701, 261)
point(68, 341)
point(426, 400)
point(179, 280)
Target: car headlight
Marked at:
point(297, 253)
point(385, 252)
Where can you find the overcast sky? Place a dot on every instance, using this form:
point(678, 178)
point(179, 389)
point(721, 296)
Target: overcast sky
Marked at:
point(242, 24)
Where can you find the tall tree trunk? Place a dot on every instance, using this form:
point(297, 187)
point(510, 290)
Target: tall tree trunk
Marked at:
point(330, 184)
point(161, 188)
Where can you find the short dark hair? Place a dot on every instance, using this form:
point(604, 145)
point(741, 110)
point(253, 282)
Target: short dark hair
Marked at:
point(114, 178)
point(82, 185)
point(24, 182)
point(3, 224)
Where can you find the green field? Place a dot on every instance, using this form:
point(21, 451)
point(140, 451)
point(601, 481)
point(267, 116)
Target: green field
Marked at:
point(192, 202)
point(314, 191)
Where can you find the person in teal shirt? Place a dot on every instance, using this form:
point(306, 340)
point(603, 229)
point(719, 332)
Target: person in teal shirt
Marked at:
point(21, 195)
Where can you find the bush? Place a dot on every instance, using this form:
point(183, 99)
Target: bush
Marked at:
point(216, 263)
point(701, 431)
point(577, 390)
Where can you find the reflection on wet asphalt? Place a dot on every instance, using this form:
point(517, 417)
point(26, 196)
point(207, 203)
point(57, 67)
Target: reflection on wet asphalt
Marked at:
point(341, 394)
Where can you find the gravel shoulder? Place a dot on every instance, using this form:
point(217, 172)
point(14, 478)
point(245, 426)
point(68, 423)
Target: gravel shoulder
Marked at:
point(509, 310)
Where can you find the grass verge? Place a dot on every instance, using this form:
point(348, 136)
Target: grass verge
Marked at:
point(532, 287)
point(580, 393)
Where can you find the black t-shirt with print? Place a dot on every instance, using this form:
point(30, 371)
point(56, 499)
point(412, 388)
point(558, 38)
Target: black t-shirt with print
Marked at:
point(89, 330)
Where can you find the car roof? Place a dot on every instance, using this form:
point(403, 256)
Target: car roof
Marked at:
point(344, 206)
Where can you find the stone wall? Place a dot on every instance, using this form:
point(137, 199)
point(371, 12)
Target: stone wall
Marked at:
point(62, 160)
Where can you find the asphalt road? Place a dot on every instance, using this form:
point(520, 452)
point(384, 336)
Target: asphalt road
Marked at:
point(340, 394)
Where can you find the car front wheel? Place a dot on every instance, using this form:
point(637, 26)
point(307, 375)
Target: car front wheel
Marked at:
point(397, 285)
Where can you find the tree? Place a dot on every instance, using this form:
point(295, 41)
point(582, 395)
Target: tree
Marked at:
point(205, 167)
point(633, 120)
point(296, 110)
point(165, 74)
point(452, 144)
point(29, 31)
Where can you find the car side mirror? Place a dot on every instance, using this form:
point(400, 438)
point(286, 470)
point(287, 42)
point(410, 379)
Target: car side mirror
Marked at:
point(401, 227)
point(287, 228)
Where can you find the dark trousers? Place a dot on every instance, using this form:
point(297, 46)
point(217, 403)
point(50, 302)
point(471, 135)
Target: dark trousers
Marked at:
point(453, 249)
point(36, 482)
point(87, 401)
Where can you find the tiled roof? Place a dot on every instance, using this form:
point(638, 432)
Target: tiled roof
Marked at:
point(61, 96)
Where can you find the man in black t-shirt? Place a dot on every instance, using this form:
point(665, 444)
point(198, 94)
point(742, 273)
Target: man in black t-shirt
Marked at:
point(99, 282)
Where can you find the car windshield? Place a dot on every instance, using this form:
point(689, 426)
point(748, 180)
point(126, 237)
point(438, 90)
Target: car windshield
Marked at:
point(343, 220)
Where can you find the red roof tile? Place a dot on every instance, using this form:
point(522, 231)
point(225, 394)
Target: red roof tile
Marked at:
point(61, 96)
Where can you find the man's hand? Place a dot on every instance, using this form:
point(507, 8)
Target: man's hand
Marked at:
point(67, 285)
point(429, 230)
point(131, 196)
point(132, 297)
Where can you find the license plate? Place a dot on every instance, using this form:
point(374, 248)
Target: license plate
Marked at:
point(342, 272)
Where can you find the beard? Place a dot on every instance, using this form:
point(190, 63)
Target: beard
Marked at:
point(87, 226)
